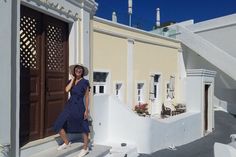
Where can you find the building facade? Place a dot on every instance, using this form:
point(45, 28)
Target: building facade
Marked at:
point(39, 39)
point(140, 67)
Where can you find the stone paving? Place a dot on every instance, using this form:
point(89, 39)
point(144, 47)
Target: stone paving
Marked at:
point(225, 125)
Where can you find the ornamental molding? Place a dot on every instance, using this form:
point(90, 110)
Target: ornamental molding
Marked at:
point(89, 5)
point(58, 6)
point(200, 73)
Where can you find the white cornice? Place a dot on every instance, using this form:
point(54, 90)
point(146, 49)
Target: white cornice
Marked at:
point(55, 6)
point(118, 25)
point(133, 38)
point(200, 73)
point(212, 24)
point(89, 5)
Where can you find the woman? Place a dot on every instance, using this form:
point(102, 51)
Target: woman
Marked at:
point(74, 118)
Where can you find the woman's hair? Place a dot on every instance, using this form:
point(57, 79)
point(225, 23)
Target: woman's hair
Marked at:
point(80, 67)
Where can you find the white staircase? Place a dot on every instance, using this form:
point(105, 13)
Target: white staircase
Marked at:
point(223, 62)
point(48, 148)
point(216, 56)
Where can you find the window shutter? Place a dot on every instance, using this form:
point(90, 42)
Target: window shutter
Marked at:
point(151, 89)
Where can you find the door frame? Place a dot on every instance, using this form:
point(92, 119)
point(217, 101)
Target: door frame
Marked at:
point(41, 121)
point(77, 13)
point(73, 55)
point(210, 111)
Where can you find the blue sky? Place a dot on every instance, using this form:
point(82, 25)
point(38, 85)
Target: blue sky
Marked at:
point(144, 11)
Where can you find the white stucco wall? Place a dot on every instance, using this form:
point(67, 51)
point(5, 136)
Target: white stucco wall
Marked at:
point(221, 57)
point(225, 86)
point(5, 69)
point(196, 81)
point(9, 95)
point(115, 122)
point(219, 31)
point(224, 38)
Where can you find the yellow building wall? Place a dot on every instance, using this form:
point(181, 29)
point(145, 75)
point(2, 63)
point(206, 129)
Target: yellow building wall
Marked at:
point(109, 53)
point(151, 54)
point(154, 59)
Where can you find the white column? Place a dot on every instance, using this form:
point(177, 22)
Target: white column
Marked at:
point(85, 39)
point(181, 90)
point(74, 43)
point(9, 80)
point(130, 80)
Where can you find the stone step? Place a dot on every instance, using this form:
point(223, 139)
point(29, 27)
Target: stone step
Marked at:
point(117, 150)
point(53, 152)
point(73, 151)
point(95, 151)
point(39, 145)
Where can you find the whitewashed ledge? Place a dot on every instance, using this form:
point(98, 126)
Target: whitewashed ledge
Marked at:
point(178, 117)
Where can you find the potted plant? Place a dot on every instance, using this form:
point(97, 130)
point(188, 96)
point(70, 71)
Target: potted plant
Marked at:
point(141, 109)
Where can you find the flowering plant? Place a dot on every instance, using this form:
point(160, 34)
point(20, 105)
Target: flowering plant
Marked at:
point(141, 109)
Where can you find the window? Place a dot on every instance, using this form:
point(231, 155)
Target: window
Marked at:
point(171, 88)
point(140, 92)
point(101, 89)
point(118, 90)
point(156, 86)
point(118, 87)
point(100, 82)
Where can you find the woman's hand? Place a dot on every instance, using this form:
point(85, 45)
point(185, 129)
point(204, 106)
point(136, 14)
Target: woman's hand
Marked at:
point(86, 114)
point(72, 77)
point(70, 84)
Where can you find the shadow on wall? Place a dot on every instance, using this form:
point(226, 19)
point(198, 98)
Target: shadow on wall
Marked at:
point(225, 86)
point(231, 108)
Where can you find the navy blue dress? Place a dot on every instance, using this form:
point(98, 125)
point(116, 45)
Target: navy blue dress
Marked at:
point(72, 117)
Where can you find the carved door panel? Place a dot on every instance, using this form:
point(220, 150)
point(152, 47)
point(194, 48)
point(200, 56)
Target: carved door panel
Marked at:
point(56, 67)
point(30, 69)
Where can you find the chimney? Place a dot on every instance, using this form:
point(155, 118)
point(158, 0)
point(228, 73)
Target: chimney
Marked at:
point(114, 17)
point(158, 17)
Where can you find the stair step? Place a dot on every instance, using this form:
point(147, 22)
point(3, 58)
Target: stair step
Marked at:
point(96, 151)
point(39, 145)
point(122, 151)
point(44, 144)
point(53, 152)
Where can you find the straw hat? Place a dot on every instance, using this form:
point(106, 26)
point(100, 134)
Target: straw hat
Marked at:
point(72, 67)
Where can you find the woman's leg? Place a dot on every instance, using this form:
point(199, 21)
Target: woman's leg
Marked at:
point(85, 137)
point(63, 135)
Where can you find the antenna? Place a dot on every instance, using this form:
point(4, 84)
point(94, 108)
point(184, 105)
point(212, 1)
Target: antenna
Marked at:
point(130, 10)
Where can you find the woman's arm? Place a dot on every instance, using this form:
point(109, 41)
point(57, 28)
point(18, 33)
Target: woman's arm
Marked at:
point(69, 86)
point(86, 103)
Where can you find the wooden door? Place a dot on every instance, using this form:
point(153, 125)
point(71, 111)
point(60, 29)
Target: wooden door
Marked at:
point(206, 108)
point(43, 73)
point(30, 69)
point(56, 67)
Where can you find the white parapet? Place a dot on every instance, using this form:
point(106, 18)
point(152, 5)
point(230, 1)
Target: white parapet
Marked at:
point(115, 122)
